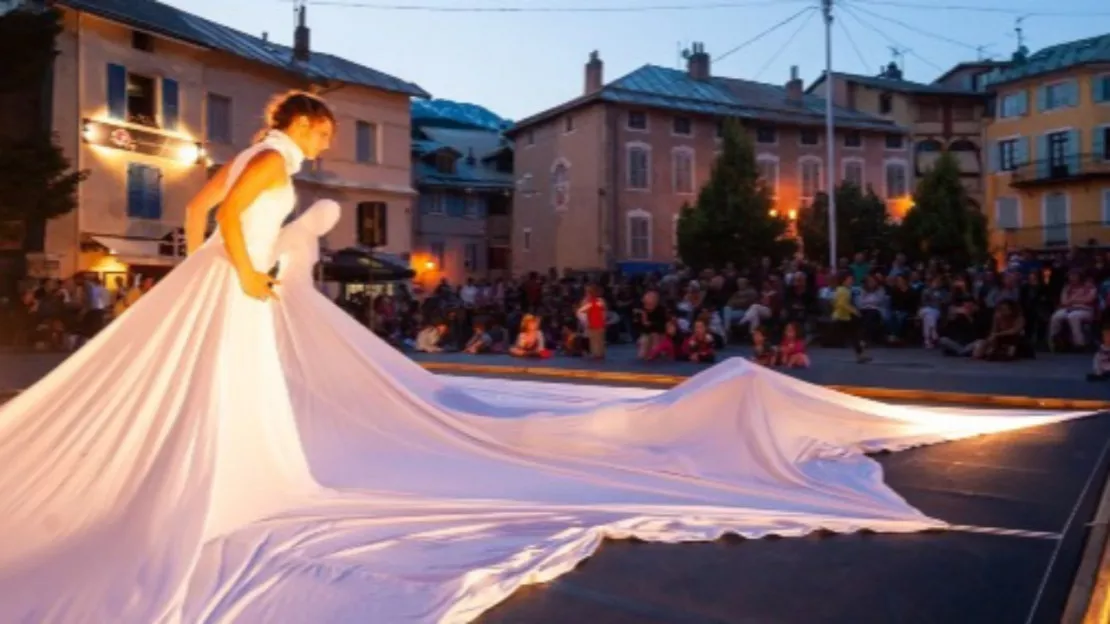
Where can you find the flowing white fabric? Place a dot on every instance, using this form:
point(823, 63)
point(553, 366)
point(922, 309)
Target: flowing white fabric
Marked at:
point(210, 458)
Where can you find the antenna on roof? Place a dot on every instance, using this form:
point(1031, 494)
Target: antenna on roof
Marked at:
point(1019, 31)
point(981, 52)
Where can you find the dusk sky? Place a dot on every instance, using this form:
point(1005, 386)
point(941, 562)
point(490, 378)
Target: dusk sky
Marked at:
point(518, 62)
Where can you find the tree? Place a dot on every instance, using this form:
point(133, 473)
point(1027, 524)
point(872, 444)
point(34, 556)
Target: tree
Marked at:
point(731, 220)
point(862, 223)
point(37, 182)
point(943, 221)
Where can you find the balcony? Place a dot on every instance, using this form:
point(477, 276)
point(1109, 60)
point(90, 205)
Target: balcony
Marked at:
point(1086, 233)
point(1074, 168)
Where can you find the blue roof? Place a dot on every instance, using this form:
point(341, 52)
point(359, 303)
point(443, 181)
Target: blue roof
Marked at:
point(177, 24)
point(472, 169)
point(464, 114)
point(652, 86)
point(1057, 58)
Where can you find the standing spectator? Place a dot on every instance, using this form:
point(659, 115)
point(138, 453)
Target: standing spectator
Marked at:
point(651, 321)
point(593, 314)
point(846, 318)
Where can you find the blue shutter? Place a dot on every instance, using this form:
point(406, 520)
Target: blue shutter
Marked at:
point(153, 193)
point(456, 205)
point(1023, 106)
point(117, 91)
point(1042, 98)
point(1075, 148)
point(170, 105)
point(362, 142)
point(1101, 88)
point(1042, 156)
point(1021, 152)
point(1098, 143)
point(135, 195)
point(993, 157)
point(1073, 92)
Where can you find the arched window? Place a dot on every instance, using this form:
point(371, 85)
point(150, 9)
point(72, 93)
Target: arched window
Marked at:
point(926, 154)
point(966, 154)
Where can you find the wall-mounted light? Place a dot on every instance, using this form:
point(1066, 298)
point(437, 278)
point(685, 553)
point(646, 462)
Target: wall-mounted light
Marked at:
point(792, 215)
point(773, 212)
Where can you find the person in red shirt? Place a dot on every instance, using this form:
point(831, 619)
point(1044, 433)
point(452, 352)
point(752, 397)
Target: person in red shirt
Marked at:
point(699, 346)
point(593, 315)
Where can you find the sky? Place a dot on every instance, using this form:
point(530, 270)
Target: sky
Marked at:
point(520, 61)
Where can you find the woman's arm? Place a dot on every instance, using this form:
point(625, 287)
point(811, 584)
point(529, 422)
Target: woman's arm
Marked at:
point(266, 170)
point(196, 211)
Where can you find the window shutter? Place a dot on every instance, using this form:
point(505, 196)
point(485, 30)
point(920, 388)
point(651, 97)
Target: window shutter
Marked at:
point(170, 105)
point(1021, 151)
point(1042, 156)
point(135, 196)
point(117, 91)
point(993, 157)
point(1100, 88)
point(1073, 92)
point(1075, 148)
point(152, 191)
point(1023, 103)
point(456, 205)
point(372, 224)
point(1042, 98)
point(426, 201)
point(1098, 143)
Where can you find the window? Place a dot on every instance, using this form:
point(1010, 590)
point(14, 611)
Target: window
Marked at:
point(530, 138)
point(769, 172)
point(853, 138)
point(366, 142)
point(1056, 219)
point(895, 142)
point(928, 112)
point(637, 120)
point(439, 256)
point(886, 103)
point(470, 256)
point(639, 235)
point(1014, 105)
point(1100, 140)
point(682, 126)
point(1010, 155)
point(897, 183)
point(431, 203)
point(1058, 95)
point(1106, 207)
point(526, 239)
point(144, 191)
point(560, 185)
point(1007, 213)
point(475, 206)
point(810, 174)
point(682, 163)
point(809, 136)
point(219, 119)
point(445, 162)
point(639, 166)
point(142, 41)
point(1100, 88)
point(853, 172)
point(568, 124)
point(134, 98)
point(372, 230)
point(766, 135)
point(498, 258)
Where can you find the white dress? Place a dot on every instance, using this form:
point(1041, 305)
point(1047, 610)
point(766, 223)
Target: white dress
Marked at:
point(211, 458)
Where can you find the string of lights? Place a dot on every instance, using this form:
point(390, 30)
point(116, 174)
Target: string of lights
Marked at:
point(794, 35)
point(763, 34)
point(645, 8)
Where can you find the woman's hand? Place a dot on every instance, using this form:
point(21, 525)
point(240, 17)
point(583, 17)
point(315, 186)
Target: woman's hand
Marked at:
point(258, 285)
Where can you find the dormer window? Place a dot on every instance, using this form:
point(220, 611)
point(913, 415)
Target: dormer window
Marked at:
point(445, 162)
point(886, 103)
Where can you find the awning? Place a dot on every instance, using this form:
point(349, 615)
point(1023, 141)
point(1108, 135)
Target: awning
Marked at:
point(636, 268)
point(361, 266)
point(136, 250)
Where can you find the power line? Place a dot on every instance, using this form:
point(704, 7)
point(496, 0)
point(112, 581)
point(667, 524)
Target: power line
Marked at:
point(764, 33)
point(914, 29)
point(785, 45)
point(981, 9)
point(852, 42)
point(431, 8)
point(896, 45)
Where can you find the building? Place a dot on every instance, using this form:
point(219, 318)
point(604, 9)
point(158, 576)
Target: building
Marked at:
point(946, 115)
point(149, 98)
point(462, 167)
point(1049, 166)
point(601, 179)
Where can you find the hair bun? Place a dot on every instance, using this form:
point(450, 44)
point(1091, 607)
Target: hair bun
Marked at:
point(285, 108)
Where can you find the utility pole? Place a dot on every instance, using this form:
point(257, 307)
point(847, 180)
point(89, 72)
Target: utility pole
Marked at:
point(830, 131)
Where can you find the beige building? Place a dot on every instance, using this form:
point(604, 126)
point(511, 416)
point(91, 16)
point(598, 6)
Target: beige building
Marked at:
point(948, 114)
point(601, 179)
point(150, 99)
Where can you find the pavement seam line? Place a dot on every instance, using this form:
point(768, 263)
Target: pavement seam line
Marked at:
point(970, 528)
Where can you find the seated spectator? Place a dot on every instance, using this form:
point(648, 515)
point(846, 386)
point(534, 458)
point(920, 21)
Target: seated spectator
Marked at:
point(499, 338)
point(1101, 363)
point(1077, 307)
point(799, 304)
point(738, 304)
point(903, 305)
point(716, 328)
point(1006, 334)
point(650, 321)
point(666, 348)
point(872, 305)
point(530, 341)
point(699, 346)
point(934, 298)
point(429, 338)
point(763, 353)
point(480, 341)
point(792, 350)
point(959, 335)
point(770, 302)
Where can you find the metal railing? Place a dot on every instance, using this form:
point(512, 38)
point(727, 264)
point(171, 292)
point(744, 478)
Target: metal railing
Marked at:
point(1065, 169)
point(1085, 233)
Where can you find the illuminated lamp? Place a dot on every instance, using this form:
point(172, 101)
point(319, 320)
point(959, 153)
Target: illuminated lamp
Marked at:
point(773, 212)
point(430, 266)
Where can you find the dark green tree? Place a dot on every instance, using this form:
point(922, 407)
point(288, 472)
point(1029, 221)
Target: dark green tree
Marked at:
point(731, 220)
point(37, 181)
point(862, 223)
point(943, 221)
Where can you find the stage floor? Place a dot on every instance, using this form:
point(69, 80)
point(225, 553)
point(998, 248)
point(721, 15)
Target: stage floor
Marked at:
point(1025, 498)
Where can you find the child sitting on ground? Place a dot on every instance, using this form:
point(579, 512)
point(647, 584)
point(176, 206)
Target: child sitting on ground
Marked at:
point(530, 341)
point(665, 346)
point(762, 353)
point(1101, 370)
point(699, 346)
point(479, 342)
point(792, 350)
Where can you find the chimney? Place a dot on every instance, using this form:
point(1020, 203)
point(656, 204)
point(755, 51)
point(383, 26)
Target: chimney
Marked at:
point(697, 62)
point(594, 73)
point(892, 71)
point(300, 38)
point(265, 36)
point(794, 86)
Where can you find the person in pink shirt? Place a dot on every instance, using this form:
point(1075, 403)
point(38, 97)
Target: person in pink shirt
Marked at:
point(1077, 307)
point(792, 350)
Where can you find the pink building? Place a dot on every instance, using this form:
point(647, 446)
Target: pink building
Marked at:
point(150, 99)
point(601, 178)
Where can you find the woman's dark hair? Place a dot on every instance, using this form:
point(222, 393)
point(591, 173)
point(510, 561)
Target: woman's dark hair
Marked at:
point(283, 109)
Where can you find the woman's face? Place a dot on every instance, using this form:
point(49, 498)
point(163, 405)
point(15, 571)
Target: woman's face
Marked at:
point(313, 136)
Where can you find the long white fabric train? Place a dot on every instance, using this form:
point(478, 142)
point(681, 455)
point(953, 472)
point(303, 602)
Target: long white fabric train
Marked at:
point(209, 458)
